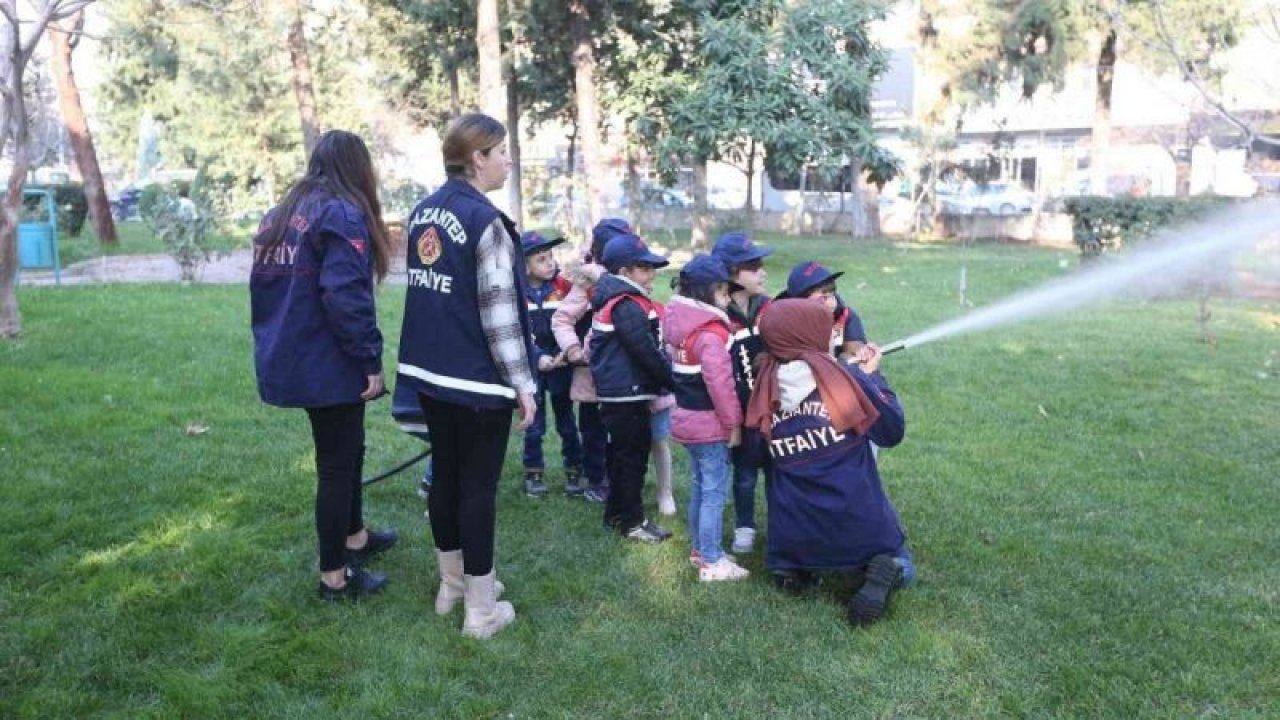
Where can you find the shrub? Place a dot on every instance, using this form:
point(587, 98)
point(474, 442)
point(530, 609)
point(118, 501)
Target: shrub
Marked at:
point(1105, 224)
point(72, 204)
point(183, 224)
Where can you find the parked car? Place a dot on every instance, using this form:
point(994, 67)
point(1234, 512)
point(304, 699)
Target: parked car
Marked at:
point(653, 197)
point(989, 199)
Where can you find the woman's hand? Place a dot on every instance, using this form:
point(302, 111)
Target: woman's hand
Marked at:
point(527, 411)
point(872, 355)
point(374, 387)
point(575, 356)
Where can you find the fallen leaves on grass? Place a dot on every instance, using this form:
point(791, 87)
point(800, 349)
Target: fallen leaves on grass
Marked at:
point(195, 428)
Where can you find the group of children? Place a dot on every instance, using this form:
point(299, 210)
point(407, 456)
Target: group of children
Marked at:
point(640, 373)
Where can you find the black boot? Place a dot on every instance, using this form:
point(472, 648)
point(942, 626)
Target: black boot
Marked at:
point(534, 487)
point(869, 604)
point(573, 482)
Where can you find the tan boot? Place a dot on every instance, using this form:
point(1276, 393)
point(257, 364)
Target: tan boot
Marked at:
point(485, 614)
point(452, 588)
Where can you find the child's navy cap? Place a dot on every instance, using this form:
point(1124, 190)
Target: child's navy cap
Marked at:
point(533, 241)
point(807, 276)
point(736, 248)
point(608, 229)
point(704, 270)
point(626, 250)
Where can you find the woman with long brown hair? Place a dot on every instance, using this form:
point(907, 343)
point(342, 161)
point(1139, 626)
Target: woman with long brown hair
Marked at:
point(464, 350)
point(316, 340)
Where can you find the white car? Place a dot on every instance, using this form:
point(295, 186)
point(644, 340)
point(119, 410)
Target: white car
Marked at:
point(989, 199)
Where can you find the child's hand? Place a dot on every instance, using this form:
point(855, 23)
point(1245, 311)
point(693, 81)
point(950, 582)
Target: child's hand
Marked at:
point(546, 363)
point(575, 356)
point(863, 352)
point(735, 436)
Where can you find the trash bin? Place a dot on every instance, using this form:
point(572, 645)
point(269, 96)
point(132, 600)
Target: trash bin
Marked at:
point(38, 234)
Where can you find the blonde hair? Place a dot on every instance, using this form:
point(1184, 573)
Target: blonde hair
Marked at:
point(467, 134)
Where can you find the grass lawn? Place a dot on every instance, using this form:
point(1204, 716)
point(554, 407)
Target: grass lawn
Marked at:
point(1091, 499)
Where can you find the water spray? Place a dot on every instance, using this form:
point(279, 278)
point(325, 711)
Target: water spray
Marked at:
point(1171, 258)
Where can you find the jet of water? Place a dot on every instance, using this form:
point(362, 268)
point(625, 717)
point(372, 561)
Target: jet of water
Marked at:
point(1171, 258)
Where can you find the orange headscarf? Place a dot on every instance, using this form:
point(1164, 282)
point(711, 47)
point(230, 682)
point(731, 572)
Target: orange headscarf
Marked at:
point(801, 330)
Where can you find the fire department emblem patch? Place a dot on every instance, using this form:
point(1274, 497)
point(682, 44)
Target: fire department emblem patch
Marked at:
point(429, 246)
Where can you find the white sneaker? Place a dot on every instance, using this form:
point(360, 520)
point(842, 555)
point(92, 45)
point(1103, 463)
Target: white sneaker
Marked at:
point(722, 569)
point(744, 539)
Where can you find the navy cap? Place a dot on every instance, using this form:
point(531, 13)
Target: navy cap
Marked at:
point(533, 241)
point(626, 250)
point(807, 276)
point(606, 230)
point(736, 248)
point(704, 270)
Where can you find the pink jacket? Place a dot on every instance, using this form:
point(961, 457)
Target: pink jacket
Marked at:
point(703, 426)
point(584, 276)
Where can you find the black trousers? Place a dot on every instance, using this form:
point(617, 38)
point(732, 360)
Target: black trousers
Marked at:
point(338, 433)
point(469, 446)
point(627, 457)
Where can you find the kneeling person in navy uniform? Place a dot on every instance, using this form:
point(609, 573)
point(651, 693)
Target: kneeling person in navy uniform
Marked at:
point(827, 508)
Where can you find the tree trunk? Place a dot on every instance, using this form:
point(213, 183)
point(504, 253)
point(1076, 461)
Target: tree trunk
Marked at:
point(493, 97)
point(584, 83)
point(633, 188)
point(701, 236)
point(300, 61)
point(749, 205)
point(514, 203)
point(77, 127)
point(455, 94)
point(1102, 116)
point(13, 129)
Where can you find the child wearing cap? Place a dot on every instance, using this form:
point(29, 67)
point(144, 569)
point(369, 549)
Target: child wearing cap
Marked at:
point(570, 324)
point(708, 416)
point(812, 280)
point(543, 293)
point(629, 370)
point(744, 261)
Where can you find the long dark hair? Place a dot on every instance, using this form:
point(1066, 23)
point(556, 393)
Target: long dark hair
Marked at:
point(339, 166)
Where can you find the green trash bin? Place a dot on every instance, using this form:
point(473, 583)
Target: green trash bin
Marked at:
point(38, 234)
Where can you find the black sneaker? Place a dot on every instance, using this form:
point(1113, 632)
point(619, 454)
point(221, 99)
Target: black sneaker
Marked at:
point(533, 485)
point(379, 541)
point(359, 583)
point(596, 494)
point(647, 532)
point(884, 577)
point(573, 482)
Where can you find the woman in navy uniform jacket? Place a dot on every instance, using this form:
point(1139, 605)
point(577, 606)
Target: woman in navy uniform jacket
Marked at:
point(465, 349)
point(827, 508)
point(316, 339)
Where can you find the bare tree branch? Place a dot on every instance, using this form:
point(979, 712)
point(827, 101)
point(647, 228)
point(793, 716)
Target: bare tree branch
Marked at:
point(1168, 46)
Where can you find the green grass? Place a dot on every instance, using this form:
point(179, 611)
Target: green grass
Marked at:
point(136, 239)
point(1092, 501)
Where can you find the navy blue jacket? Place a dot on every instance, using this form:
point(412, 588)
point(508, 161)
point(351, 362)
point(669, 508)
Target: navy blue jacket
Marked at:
point(315, 329)
point(627, 363)
point(542, 303)
point(443, 350)
point(827, 507)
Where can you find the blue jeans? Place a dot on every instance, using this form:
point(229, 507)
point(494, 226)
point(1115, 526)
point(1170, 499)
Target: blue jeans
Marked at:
point(660, 424)
point(707, 492)
point(750, 457)
point(566, 427)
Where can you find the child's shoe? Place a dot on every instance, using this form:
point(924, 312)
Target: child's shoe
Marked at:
point(744, 539)
point(722, 569)
point(573, 482)
point(534, 487)
point(695, 558)
point(647, 532)
point(596, 493)
point(884, 577)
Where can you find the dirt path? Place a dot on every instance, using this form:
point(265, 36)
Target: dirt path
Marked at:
point(232, 269)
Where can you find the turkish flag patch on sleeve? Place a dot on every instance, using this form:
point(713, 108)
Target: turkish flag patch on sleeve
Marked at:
point(358, 244)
